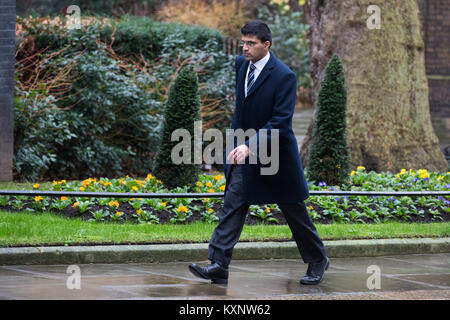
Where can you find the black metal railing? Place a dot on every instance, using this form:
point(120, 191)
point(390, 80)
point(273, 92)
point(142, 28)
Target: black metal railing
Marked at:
point(208, 195)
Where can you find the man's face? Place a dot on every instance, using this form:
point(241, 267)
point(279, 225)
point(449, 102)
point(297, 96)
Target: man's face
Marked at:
point(253, 48)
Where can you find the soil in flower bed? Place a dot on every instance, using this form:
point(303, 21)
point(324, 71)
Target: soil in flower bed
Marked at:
point(165, 216)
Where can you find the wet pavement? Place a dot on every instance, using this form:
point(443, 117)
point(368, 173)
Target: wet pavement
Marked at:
point(418, 276)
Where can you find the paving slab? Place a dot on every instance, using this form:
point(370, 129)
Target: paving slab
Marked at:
point(417, 276)
point(196, 251)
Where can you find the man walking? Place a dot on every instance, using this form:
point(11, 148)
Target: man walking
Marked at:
point(266, 92)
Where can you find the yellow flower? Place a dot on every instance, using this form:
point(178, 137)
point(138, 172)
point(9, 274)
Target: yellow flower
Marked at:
point(353, 172)
point(121, 181)
point(218, 177)
point(311, 208)
point(360, 168)
point(222, 188)
point(81, 188)
point(211, 190)
point(38, 198)
point(209, 184)
point(412, 172)
point(279, 2)
point(149, 176)
point(139, 211)
point(440, 177)
point(159, 181)
point(134, 188)
point(199, 184)
point(205, 199)
point(107, 183)
point(36, 185)
point(75, 204)
point(63, 198)
point(163, 204)
point(113, 203)
point(423, 173)
point(268, 209)
point(182, 208)
point(54, 182)
point(210, 210)
point(118, 213)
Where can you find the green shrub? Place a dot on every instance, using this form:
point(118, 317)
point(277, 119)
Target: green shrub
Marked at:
point(329, 155)
point(181, 111)
point(104, 114)
point(289, 36)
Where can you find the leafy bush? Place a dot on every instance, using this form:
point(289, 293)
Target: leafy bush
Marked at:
point(84, 110)
point(181, 111)
point(99, 7)
point(329, 155)
point(289, 36)
point(227, 16)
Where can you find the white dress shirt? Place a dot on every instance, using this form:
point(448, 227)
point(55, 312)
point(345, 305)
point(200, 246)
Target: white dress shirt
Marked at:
point(259, 65)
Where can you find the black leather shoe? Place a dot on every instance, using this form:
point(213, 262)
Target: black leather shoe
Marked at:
point(314, 274)
point(213, 272)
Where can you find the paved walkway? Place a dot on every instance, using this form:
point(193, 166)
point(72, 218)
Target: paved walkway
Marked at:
point(417, 276)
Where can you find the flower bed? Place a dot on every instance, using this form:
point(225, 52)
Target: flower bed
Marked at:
point(322, 209)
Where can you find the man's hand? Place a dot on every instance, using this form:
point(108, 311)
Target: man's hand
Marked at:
point(239, 154)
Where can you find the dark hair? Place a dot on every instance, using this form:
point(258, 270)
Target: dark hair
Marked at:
point(259, 29)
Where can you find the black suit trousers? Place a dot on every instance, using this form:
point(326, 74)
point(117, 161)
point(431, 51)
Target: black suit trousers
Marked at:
point(232, 218)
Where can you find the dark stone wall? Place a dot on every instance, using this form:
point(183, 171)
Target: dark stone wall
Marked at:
point(7, 61)
point(436, 34)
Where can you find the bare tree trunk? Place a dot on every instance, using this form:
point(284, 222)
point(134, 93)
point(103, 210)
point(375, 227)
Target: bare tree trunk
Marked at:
point(388, 116)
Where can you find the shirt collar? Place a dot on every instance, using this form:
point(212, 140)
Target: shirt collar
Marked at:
point(262, 62)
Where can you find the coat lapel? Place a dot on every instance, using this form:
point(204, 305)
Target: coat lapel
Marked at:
point(265, 73)
point(241, 82)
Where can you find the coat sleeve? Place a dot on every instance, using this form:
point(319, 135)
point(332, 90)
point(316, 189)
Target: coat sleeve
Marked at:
point(283, 110)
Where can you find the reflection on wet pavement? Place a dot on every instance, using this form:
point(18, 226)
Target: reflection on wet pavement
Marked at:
point(422, 276)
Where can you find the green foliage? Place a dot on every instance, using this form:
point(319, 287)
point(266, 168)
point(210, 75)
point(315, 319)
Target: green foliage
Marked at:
point(329, 155)
point(290, 44)
point(105, 117)
point(181, 111)
point(100, 7)
point(346, 209)
point(265, 214)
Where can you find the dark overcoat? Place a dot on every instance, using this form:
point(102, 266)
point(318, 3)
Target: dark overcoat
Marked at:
point(269, 104)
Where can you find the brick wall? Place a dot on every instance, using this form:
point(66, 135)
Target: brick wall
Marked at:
point(7, 59)
point(436, 33)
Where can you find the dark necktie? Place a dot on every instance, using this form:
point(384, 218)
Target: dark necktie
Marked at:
point(251, 77)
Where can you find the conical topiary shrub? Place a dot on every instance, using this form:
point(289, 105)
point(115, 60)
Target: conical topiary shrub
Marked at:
point(181, 111)
point(329, 155)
